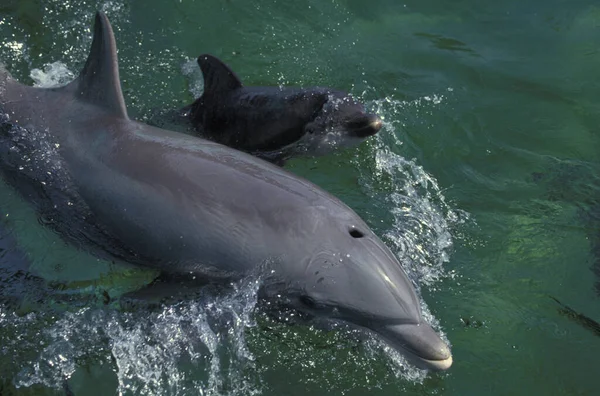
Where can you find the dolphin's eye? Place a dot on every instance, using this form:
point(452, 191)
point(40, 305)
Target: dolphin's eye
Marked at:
point(309, 302)
point(354, 233)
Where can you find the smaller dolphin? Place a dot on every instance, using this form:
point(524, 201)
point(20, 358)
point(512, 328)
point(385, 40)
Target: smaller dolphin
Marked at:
point(276, 123)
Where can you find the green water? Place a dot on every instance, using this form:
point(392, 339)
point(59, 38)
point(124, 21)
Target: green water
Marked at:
point(485, 178)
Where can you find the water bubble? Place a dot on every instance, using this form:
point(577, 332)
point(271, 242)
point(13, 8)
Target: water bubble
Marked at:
point(52, 75)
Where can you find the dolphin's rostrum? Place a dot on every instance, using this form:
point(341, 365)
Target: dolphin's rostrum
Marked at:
point(185, 205)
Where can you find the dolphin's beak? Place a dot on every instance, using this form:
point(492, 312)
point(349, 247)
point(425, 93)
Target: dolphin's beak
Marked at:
point(420, 344)
point(364, 125)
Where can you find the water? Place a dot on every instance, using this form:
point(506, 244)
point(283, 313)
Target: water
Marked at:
point(484, 181)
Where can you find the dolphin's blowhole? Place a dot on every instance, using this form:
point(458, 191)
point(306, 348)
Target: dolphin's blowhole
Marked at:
point(354, 233)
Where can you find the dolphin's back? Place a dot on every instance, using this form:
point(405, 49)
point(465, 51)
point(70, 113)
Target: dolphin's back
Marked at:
point(193, 205)
point(150, 196)
point(143, 194)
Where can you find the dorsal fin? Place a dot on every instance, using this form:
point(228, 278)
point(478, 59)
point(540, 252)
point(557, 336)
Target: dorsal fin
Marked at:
point(218, 77)
point(98, 82)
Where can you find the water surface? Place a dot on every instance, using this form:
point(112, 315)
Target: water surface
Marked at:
point(485, 181)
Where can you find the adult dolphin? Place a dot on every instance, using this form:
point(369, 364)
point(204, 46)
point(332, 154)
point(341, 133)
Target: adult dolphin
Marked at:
point(185, 205)
point(276, 123)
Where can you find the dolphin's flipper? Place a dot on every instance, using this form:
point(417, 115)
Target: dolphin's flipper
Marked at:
point(218, 77)
point(165, 288)
point(99, 81)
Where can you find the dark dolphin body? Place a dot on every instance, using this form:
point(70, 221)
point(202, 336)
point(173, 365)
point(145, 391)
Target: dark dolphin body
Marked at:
point(276, 123)
point(185, 205)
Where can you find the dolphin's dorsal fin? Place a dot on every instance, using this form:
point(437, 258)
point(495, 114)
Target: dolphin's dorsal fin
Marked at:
point(98, 83)
point(218, 77)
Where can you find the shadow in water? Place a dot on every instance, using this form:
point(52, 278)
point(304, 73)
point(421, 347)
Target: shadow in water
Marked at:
point(578, 184)
point(17, 283)
point(578, 318)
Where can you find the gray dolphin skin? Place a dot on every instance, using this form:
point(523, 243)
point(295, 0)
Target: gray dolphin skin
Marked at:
point(188, 206)
point(276, 123)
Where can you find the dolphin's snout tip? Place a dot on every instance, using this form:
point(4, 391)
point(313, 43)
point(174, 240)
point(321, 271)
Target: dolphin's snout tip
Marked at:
point(441, 365)
point(443, 359)
point(365, 125)
point(421, 344)
point(376, 124)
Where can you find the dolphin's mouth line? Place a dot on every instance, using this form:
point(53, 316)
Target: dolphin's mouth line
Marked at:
point(418, 342)
point(358, 126)
point(406, 351)
point(426, 364)
point(410, 353)
point(363, 125)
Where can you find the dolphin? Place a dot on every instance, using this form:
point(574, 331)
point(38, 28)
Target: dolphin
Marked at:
point(188, 206)
point(276, 123)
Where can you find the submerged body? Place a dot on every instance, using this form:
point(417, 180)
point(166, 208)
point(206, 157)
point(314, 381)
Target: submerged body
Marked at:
point(17, 283)
point(276, 123)
point(185, 205)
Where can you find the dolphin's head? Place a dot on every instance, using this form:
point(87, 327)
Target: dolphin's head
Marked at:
point(341, 121)
point(349, 275)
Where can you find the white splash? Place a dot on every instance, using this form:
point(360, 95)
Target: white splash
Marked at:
point(52, 75)
point(147, 349)
point(422, 219)
point(192, 72)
